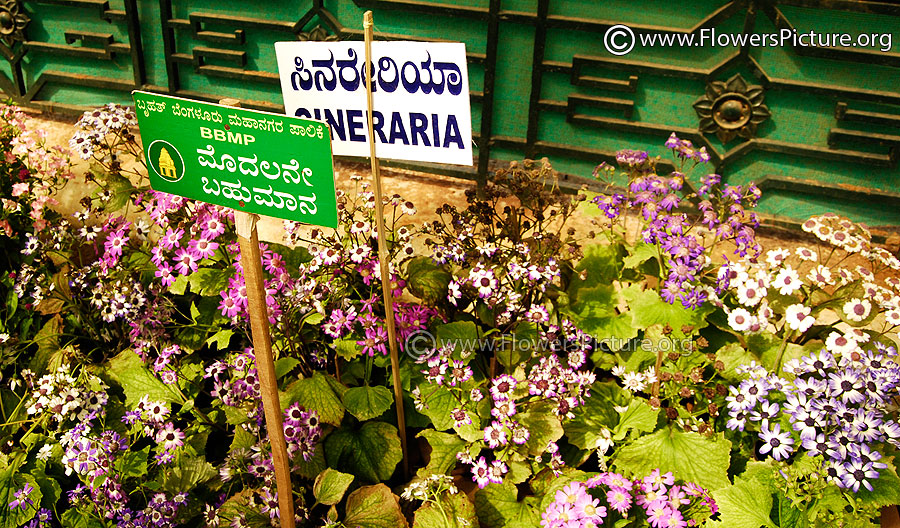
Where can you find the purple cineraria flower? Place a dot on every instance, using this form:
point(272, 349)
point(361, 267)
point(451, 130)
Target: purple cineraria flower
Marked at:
point(846, 385)
point(22, 499)
point(779, 443)
point(856, 473)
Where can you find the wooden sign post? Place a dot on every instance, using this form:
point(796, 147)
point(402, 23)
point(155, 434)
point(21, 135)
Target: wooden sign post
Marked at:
point(386, 290)
point(251, 262)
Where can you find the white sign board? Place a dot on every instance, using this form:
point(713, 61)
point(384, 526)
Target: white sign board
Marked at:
point(420, 97)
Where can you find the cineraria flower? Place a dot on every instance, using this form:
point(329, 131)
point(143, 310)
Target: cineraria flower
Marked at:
point(495, 435)
point(481, 473)
point(798, 317)
point(502, 387)
point(787, 281)
point(740, 320)
point(857, 309)
point(22, 499)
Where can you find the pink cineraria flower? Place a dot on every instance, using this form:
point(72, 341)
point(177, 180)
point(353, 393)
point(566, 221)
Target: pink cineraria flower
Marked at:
point(202, 248)
point(375, 341)
point(229, 305)
point(164, 274)
point(172, 238)
point(186, 262)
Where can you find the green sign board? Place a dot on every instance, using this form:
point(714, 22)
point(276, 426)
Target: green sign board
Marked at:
point(269, 164)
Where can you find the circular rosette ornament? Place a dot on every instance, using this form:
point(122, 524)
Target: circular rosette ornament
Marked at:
point(731, 108)
point(12, 22)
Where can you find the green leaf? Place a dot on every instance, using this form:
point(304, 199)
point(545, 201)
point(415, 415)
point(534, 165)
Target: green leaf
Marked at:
point(222, 339)
point(638, 416)
point(426, 280)
point(75, 518)
point(121, 189)
point(368, 402)
point(47, 340)
point(347, 349)
point(649, 309)
point(208, 282)
point(180, 285)
point(544, 426)
point(462, 335)
point(134, 463)
point(316, 393)
point(733, 356)
point(497, 507)
point(689, 456)
point(746, 504)
point(309, 469)
point(444, 447)
point(284, 365)
point(456, 512)
point(293, 256)
point(597, 413)
point(242, 439)
point(603, 263)
point(137, 381)
point(438, 406)
point(789, 515)
point(186, 473)
point(374, 507)
point(639, 254)
point(330, 486)
point(372, 452)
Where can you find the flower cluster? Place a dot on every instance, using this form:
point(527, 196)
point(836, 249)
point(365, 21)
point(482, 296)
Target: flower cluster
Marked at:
point(684, 245)
point(837, 408)
point(686, 388)
point(96, 128)
point(607, 498)
point(65, 397)
point(807, 281)
point(502, 257)
point(236, 384)
point(429, 489)
point(32, 174)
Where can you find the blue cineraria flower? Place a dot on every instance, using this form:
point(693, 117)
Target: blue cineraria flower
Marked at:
point(836, 405)
point(779, 443)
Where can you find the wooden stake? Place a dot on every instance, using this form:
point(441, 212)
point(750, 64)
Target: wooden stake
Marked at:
point(251, 262)
point(386, 289)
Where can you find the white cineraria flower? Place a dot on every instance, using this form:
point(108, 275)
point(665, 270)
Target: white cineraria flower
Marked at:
point(776, 257)
point(857, 309)
point(820, 276)
point(44, 452)
point(840, 344)
point(787, 281)
point(807, 254)
point(798, 317)
point(740, 320)
point(751, 292)
point(892, 317)
point(634, 381)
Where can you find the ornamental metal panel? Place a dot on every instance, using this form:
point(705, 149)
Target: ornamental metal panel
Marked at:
point(817, 127)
